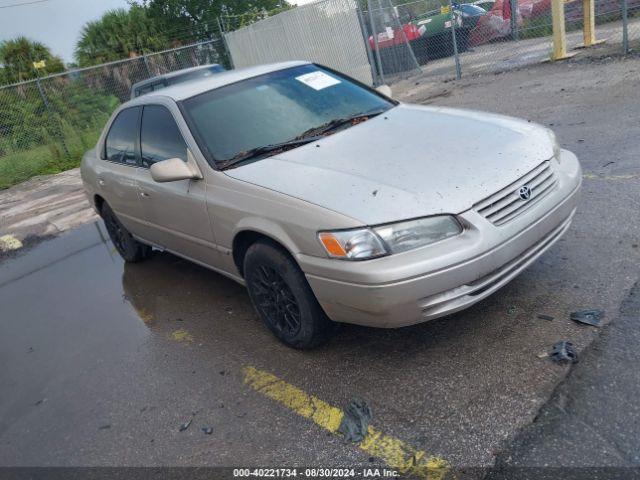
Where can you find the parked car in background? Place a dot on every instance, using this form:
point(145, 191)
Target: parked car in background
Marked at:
point(393, 50)
point(435, 28)
point(330, 201)
point(486, 5)
point(178, 76)
point(429, 36)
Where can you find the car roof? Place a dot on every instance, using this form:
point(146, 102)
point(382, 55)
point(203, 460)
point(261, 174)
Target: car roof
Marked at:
point(180, 91)
point(175, 73)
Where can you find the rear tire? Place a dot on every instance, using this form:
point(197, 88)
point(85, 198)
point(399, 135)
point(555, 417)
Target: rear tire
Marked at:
point(283, 299)
point(128, 247)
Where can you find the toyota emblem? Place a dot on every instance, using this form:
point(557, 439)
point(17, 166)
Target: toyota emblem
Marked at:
point(525, 192)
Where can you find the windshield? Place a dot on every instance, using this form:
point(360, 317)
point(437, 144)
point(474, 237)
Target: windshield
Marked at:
point(274, 108)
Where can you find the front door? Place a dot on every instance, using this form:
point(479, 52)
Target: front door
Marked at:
point(175, 212)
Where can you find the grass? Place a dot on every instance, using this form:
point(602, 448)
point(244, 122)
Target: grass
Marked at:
point(16, 167)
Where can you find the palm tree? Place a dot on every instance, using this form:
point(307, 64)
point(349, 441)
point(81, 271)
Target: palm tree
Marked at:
point(119, 34)
point(18, 55)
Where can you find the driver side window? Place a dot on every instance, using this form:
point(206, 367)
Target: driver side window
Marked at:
point(160, 138)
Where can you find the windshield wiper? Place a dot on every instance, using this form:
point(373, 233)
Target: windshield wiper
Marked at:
point(339, 122)
point(308, 136)
point(265, 149)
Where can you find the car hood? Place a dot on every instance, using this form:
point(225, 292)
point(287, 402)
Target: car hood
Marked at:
point(409, 162)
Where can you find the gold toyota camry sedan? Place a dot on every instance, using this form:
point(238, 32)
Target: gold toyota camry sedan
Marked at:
point(329, 200)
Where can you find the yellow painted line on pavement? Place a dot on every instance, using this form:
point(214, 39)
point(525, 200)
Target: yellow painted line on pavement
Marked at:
point(394, 452)
point(181, 335)
point(591, 176)
point(144, 315)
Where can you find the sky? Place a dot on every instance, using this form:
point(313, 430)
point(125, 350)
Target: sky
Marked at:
point(56, 23)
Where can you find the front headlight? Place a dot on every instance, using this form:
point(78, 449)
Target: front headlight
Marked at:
point(403, 236)
point(365, 243)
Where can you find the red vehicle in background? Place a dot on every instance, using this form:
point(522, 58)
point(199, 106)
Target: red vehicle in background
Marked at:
point(392, 37)
point(391, 46)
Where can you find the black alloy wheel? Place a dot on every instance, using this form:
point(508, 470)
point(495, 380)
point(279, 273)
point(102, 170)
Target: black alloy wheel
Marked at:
point(275, 301)
point(128, 247)
point(283, 298)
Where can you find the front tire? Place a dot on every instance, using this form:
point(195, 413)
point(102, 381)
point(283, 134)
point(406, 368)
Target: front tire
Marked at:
point(128, 247)
point(283, 299)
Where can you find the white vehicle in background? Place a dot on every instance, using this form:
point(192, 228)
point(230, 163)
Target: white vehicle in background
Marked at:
point(179, 76)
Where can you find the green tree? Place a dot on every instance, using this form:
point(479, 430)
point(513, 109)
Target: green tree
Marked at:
point(120, 34)
point(198, 19)
point(18, 55)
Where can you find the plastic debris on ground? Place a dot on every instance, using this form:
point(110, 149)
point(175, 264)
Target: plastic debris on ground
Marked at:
point(563, 352)
point(355, 421)
point(186, 424)
point(207, 430)
point(542, 316)
point(588, 317)
point(9, 242)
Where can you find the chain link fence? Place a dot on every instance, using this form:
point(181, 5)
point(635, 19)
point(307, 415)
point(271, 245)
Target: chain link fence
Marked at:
point(440, 38)
point(481, 36)
point(48, 123)
point(328, 32)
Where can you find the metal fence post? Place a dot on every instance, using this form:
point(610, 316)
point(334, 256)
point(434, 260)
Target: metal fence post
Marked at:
point(559, 33)
point(146, 65)
point(224, 44)
point(589, 24)
point(455, 41)
point(367, 45)
point(374, 33)
point(625, 27)
point(45, 100)
point(514, 19)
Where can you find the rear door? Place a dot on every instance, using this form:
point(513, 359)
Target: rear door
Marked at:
point(117, 169)
point(175, 212)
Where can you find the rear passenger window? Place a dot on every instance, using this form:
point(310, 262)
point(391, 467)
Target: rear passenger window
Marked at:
point(160, 138)
point(120, 145)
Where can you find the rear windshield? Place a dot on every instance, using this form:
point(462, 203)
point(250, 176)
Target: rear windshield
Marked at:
point(273, 108)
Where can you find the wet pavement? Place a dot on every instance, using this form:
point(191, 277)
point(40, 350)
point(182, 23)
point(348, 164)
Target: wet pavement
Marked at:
point(103, 362)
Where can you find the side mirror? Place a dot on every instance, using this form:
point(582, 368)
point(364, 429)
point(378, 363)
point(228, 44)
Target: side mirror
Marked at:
point(172, 170)
point(385, 90)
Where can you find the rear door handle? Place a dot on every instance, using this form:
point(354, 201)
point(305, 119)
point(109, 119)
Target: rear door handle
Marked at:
point(144, 194)
point(101, 182)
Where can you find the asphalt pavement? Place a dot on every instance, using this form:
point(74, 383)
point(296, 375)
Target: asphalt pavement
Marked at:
point(590, 427)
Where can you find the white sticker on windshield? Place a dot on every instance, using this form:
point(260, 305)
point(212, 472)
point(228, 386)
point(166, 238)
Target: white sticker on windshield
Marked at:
point(318, 80)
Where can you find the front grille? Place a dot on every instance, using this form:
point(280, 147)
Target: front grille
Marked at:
point(505, 205)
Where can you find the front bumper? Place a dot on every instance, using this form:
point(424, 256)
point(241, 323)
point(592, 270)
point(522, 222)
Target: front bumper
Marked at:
point(446, 277)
